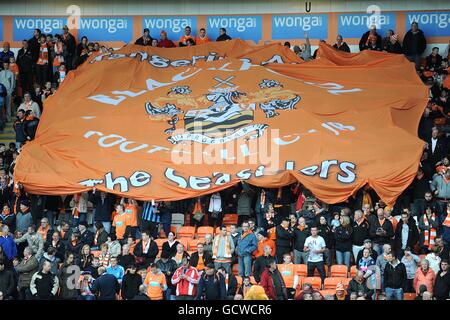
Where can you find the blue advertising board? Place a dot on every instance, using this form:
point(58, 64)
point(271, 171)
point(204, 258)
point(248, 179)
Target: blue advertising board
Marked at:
point(23, 27)
point(244, 27)
point(435, 24)
point(354, 25)
point(295, 26)
point(173, 25)
point(106, 28)
point(1, 28)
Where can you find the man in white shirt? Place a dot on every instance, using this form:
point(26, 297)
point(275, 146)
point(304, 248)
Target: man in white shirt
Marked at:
point(8, 79)
point(315, 246)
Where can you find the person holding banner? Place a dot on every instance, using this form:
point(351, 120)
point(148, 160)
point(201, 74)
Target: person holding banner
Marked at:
point(341, 44)
point(145, 40)
point(202, 38)
point(187, 35)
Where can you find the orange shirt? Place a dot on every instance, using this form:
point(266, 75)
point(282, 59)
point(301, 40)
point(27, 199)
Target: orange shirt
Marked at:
point(14, 68)
point(154, 283)
point(200, 264)
point(184, 38)
point(43, 232)
point(120, 222)
point(199, 40)
point(131, 212)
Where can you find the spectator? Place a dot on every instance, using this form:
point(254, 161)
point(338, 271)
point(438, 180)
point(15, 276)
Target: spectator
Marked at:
point(146, 250)
point(395, 278)
point(211, 285)
point(93, 268)
point(421, 192)
point(106, 285)
point(223, 249)
point(170, 246)
point(202, 38)
point(42, 64)
point(231, 284)
point(410, 261)
point(223, 35)
point(25, 270)
point(341, 44)
point(168, 267)
point(8, 79)
point(179, 254)
point(360, 232)
point(131, 282)
point(66, 274)
point(343, 235)
point(187, 35)
point(366, 261)
point(200, 258)
point(164, 42)
point(315, 246)
point(120, 222)
point(69, 41)
point(28, 105)
point(156, 283)
point(305, 49)
point(244, 206)
point(25, 62)
point(289, 274)
point(406, 233)
point(208, 243)
point(186, 280)
point(115, 269)
point(51, 258)
point(341, 293)
point(428, 225)
point(424, 276)
point(434, 60)
point(146, 39)
point(44, 284)
point(247, 243)
point(74, 245)
point(8, 246)
point(392, 44)
point(301, 233)
point(86, 236)
point(358, 285)
point(375, 38)
point(82, 51)
point(103, 205)
point(6, 53)
point(151, 218)
point(284, 239)
point(101, 236)
point(383, 259)
point(263, 240)
point(434, 259)
point(85, 285)
point(34, 241)
point(441, 187)
point(272, 282)
point(436, 147)
point(126, 258)
point(58, 53)
point(324, 230)
point(441, 288)
point(7, 281)
point(104, 256)
point(381, 231)
point(414, 44)
point(79, 205)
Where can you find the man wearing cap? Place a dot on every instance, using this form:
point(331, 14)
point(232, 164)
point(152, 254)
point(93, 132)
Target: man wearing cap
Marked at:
point(164, 42)
point(145, 40)
point(211, 285)
point(186, 280)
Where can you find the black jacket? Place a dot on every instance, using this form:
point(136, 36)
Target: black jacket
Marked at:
point(441, 287)
point(207, 258)
point(387, 226)
point(343, 238)
point(355, 286)
point(70, 44)
point(103, 210)
point(211, 287)
point(420, 186)
point(284, 237)
point(151, 253)
point(130, 285)
point(360, 232)
point(232, 285)
point(168, 268)
point(140, 41)
point(395, 278)
point(126, 260)
point(223, 37)
point(171, 249)
point(259, 266)
point(300, 238)
point(7, 283)
point(413, 235)
point(393, 48)
point(87, 238)
point(25, 60)
point(414, 44)
point(344, 47)
point(363, 41)
point(106, 286)
point(44, 283)
point(33, 46)
point(326, 234)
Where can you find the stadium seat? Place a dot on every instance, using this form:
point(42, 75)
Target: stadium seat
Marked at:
point(302, 270)
point(235, 269)
point(185, 242)
point(315, 282)
point(203, 231)
point(160, 243)
point(346, 281)
point(186, 232)
point(353, 271)
point(317, 274)
point(192, 244)
point(329, 292)
point(409, 296)
point(331, 283)
point(339, 271)
point(174, 229)
point(229, 219)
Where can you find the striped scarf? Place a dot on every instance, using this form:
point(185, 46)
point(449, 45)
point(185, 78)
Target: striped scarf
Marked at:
point(429, 235)
point(43, 55)
point(103, 259)
point(227, 254)
point(447, 220)
point(59, 58)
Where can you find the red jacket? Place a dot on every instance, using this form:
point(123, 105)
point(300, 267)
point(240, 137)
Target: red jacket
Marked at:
point(267, 283)
point(185, 287)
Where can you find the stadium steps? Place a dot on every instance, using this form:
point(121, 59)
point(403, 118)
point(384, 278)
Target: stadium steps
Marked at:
point(8, 134)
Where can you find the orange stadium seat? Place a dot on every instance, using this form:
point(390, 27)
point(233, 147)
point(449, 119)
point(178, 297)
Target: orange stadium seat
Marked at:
point(186, 232)
point(327, 292)
point(203, 231)
point(229, 219)
point(409, 296)
point(160, 243)
point(315, 282)
point(331, 283)
point(185, 242)
point(346, 281)
point(353, 271)
point(339, 271)
point(192, 244)
point(302, 270)
point(317, 274)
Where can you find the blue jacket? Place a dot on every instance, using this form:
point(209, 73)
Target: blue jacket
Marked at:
point(9, 247)
point(247, 245)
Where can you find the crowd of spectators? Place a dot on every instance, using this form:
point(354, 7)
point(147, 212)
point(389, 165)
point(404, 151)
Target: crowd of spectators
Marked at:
point(241, 243)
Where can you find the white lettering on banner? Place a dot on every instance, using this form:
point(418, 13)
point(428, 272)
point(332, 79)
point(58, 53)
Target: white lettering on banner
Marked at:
point(333, 88)
point(240, 24)
point(137, 179)
point(174, 24)
point(346, 176)
point(336, 126)
point(363, 20)
point(304, 22)
point(46, 25)
point(111, 25)
point(441, 20)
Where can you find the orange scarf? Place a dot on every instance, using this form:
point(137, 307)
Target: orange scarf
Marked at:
point(447, 220)
point(429, 235)
point(43, 55)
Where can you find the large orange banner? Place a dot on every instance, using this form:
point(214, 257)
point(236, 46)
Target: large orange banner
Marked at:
point(168, 124)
